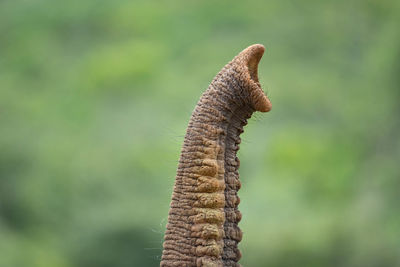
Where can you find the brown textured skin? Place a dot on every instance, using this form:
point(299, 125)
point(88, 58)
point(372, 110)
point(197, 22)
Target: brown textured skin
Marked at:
point(202, 227)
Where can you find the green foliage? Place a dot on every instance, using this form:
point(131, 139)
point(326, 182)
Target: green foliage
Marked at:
point(94, 101)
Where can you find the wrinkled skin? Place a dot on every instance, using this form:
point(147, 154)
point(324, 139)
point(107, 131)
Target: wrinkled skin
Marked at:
point(202, 227)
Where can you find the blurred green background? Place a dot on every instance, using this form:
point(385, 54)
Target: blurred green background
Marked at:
point(95, 97)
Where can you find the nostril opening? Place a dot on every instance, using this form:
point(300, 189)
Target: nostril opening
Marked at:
point(252, 65)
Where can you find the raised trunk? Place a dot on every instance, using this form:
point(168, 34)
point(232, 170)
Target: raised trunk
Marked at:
point(202, 227)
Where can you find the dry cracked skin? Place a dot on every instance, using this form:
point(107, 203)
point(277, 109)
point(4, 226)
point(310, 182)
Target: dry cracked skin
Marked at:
point(202, 227)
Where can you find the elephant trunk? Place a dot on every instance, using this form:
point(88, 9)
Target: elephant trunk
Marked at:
point(202, 227)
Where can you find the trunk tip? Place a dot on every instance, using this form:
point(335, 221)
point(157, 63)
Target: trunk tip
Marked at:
point(251, 56)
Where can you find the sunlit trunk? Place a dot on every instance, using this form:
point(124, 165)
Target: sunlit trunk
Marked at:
point(202, 227)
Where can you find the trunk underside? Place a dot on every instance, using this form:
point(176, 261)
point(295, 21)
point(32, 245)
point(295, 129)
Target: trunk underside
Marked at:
point(202, 227)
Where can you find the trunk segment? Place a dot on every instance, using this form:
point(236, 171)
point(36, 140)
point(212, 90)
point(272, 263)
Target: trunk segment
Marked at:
point(202, 227)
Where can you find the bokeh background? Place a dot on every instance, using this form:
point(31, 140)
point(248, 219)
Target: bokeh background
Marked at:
point(95, 97)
